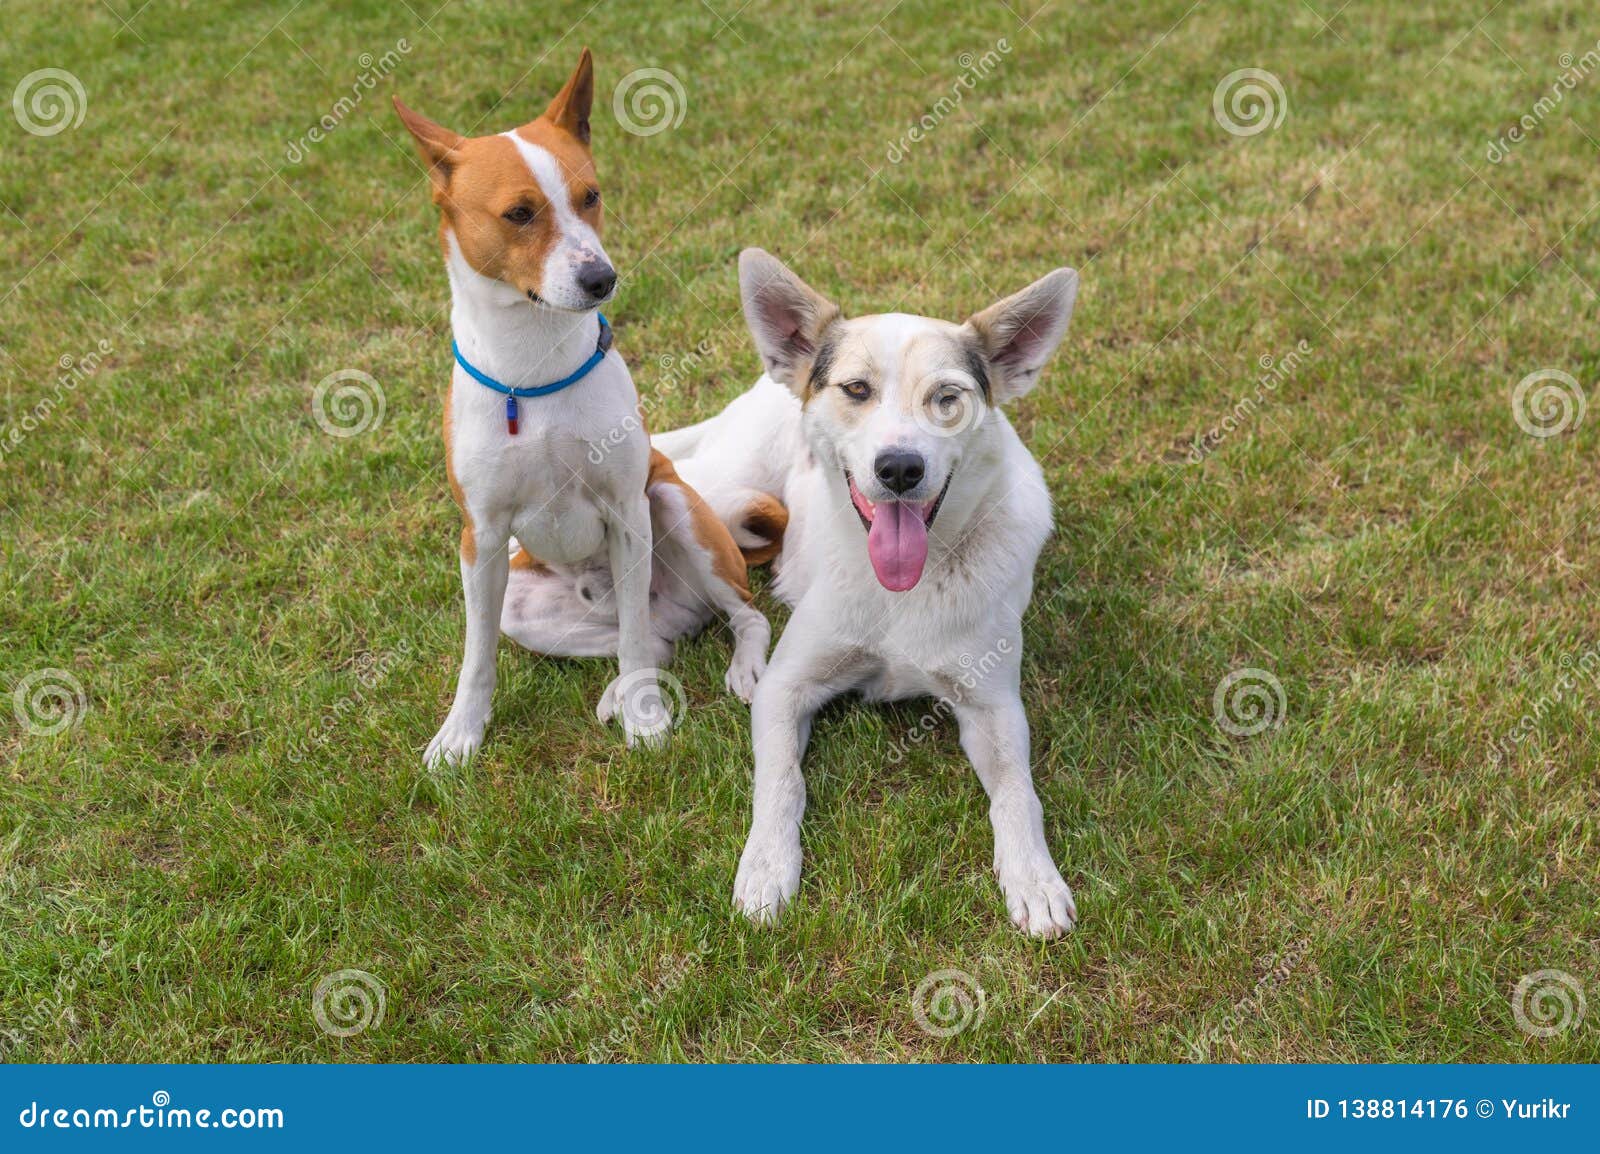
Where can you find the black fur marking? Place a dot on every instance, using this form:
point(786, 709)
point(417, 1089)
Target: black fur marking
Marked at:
point(822, 363)
point(978, 366)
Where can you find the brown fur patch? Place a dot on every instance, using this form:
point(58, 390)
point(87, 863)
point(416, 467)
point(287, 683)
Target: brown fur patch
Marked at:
point(481, 178)
point(489, 179)
point(726, 560)
point(522, 559)
point(572, 156)
point(766, 517)
point(469, 540)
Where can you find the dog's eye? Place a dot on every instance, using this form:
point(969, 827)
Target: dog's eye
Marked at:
point(947, 400)
point(857, 390)
point(522, 214)
point(591, 198)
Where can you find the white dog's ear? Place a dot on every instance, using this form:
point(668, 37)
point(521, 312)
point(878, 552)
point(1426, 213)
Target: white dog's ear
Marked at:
point(1019, 334)
point(786, 316)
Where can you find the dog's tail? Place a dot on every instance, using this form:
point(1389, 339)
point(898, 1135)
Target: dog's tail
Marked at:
point(758, 529)
point(756, 520)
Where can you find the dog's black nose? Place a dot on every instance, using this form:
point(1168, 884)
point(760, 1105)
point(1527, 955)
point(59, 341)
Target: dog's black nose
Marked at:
point(597, 278)
point(899, 470)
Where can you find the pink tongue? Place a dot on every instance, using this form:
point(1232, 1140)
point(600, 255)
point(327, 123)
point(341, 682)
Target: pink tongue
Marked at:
point(897, 544)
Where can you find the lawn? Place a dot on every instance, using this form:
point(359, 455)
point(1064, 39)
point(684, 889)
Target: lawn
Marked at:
point(1310, 664)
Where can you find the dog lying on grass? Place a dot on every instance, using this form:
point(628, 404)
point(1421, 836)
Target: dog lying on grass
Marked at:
point(915, 518)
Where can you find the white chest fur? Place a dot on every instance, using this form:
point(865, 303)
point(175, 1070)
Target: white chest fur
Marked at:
point(575, 451)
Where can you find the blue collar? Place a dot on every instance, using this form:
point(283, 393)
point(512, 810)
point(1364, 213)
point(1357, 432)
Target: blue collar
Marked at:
point(573, 378)
point(601, 346)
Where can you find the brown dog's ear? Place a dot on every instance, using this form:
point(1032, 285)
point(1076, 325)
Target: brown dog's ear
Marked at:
point(435, 142)
point(786, 316)
point(1019, 334)
point(570, 109)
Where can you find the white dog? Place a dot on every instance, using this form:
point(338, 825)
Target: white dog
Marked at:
point(915, 519)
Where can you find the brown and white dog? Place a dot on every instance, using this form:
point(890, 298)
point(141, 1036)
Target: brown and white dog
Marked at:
point(612, 553)
point(915, 517)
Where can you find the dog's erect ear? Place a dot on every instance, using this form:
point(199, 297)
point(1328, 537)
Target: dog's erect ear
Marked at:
point(786, 316)
point(435, 142)
point(570, 109)
point(1019, 334)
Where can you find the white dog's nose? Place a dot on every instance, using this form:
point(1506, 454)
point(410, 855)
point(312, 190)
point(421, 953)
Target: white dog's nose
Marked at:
point(899, 470)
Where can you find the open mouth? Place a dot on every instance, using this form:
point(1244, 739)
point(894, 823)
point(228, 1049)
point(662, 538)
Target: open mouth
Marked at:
point(897, 534)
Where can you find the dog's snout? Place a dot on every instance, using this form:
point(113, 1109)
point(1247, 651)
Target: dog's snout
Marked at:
point(899, 470)
point(597, 278)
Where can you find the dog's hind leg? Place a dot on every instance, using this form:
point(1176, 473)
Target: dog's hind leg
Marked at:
point(752, 633)
point(697, 554)
point(557, 634)
point(758, 531)
point(751, 636)
point(560, 614)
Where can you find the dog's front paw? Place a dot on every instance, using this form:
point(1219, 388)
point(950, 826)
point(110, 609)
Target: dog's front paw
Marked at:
point(743, 673)
point(1038, 900)
point(769, 876)
point(650, 736)
point(457, 740)
point(647, 708)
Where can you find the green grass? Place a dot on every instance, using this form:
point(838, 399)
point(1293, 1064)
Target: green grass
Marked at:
point(239, 813)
